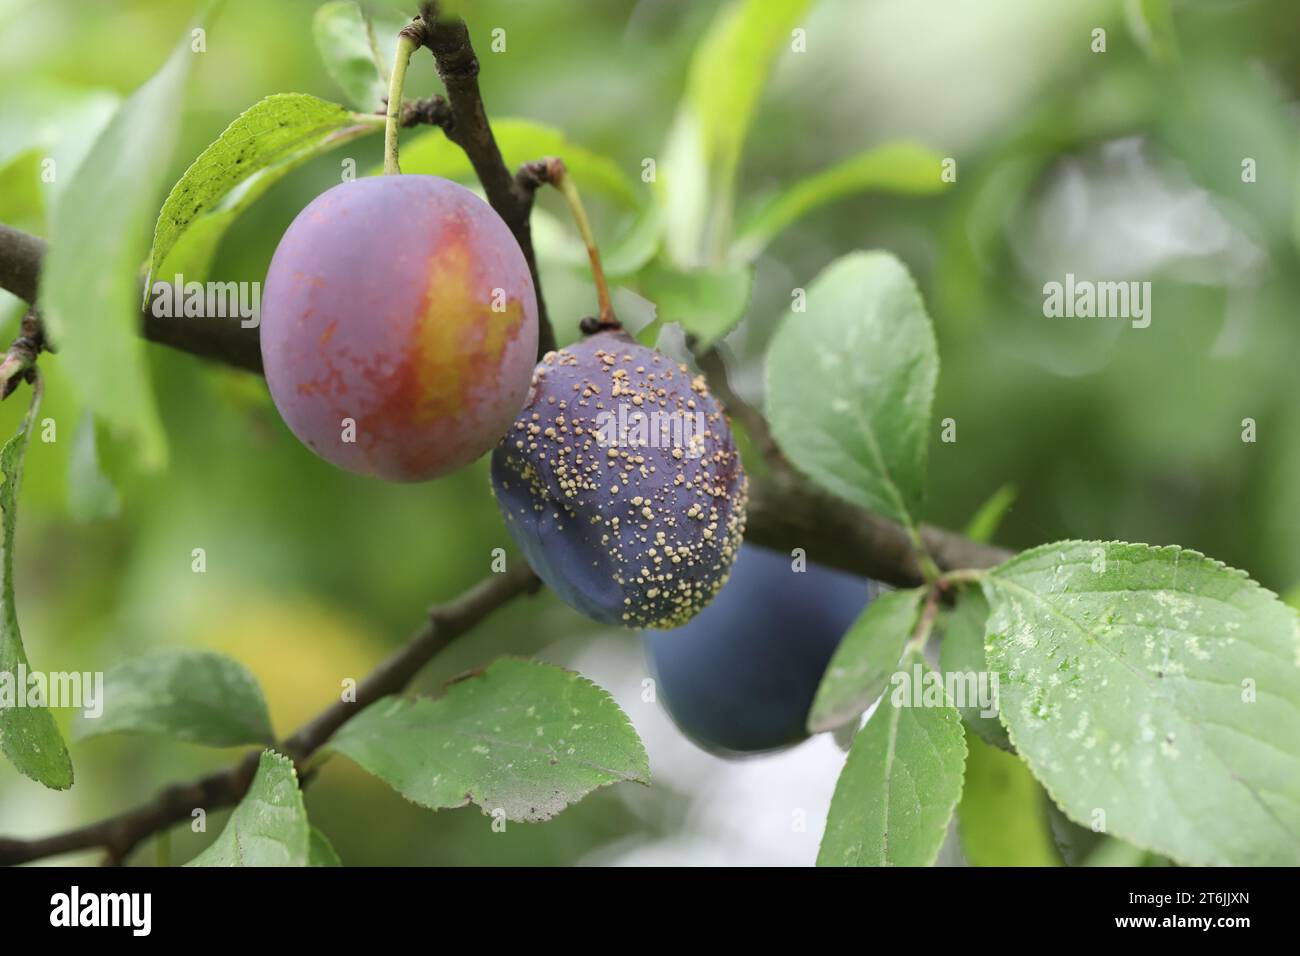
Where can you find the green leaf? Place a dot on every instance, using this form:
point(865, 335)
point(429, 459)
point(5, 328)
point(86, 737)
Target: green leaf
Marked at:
point(269, 827)
point(42, 121)
point(350, 50)
point(868, 655)
point(1156, 690)
point(28, 735)
point(522, 141)
point(706, 302)
point(196, 696)
point(1152, 23)
point(1002, 818)
point(899, 167)
point(728, 71)
point(962, 654)
point(263, 143)
point(90, 296)
point(320, 852)
point(984, 524)
point(90, 492)
point(851, 382)
point(521, 737)
point(900, 784)
point(1292, 597)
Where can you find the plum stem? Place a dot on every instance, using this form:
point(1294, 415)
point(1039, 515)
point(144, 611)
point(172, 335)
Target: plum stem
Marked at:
point(553, 171)
point(410, 39)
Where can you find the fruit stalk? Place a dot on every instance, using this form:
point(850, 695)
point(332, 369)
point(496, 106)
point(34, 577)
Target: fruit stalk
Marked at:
point(557, 174)
point(409, 40)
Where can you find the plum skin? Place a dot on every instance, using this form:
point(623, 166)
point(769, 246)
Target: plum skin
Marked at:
point(403, 304)
point(741, 677)
point(636, 534)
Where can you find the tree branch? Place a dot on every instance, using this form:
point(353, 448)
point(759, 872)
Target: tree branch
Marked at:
point(219, 339)
point(20, 262)
point(120, 834)
point(448, 40)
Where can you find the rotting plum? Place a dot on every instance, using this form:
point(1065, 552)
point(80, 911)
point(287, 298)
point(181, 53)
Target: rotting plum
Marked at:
point(621, 483)
point(399, 327)
point(741, 677)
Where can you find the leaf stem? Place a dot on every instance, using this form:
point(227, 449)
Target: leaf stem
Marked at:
point(929, 570)
point(409, 40)
point(925, 624)
point(963, 576)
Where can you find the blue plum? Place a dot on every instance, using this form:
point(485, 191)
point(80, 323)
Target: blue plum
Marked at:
point(741, 677)
point(621, 483)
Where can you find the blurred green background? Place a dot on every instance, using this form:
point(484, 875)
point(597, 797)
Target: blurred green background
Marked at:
point(1124, 164)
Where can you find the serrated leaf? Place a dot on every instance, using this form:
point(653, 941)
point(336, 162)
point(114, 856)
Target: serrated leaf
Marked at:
point(522, 141)
point(320, 852)
point(962, 654)
point(269, 827)
point(706, 302)
point(1157, 688)
point(89, 295)
point(196, 696)
point(860, 670)
point(349, 46)
point(900, 167)
point(267, 140)
point(1002, 819)
point(520, 737)
point(29, 736)
point(851, 382)
point(900, 785)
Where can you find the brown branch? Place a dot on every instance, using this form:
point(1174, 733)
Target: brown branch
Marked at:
point(120, 834)
point(219, 339)
point(448, 40)
point(20, 262)
point(431, 111)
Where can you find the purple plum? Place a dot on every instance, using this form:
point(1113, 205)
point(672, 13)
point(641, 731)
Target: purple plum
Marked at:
point(399, 327)
point(621, 483)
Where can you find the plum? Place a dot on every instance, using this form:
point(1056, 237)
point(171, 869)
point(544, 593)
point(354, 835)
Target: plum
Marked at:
point(399, 327)
point(741, 677)
point(621, 483)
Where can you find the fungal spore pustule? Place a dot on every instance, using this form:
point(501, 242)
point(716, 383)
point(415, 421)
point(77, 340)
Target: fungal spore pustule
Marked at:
point(621, 483)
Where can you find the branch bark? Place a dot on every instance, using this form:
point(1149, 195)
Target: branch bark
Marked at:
point(120, 834)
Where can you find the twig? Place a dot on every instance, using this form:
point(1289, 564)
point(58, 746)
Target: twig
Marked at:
point(430, 111)
point(219, 339)
point(120, 834)
point(20, 361)
point(448, 40)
